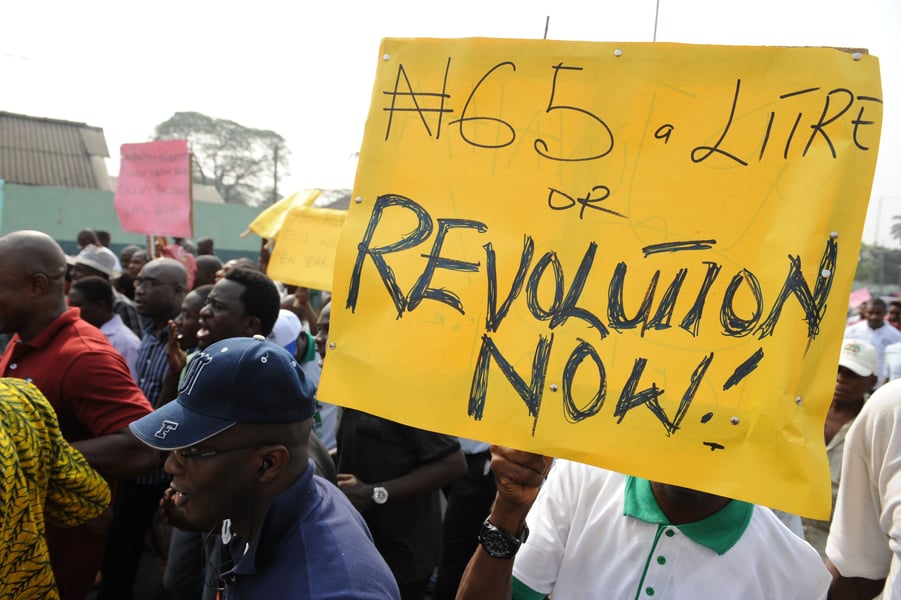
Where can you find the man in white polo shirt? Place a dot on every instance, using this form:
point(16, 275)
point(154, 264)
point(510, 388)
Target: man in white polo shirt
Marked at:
point(599, 534)
point(864, 545)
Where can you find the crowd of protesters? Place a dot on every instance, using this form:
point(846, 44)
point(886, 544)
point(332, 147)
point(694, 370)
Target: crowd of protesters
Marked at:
point(186, 424)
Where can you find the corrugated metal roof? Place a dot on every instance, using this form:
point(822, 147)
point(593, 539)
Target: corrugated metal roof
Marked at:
point(41, 151)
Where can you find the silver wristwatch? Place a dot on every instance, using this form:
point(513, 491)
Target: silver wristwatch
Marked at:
point(379, 494)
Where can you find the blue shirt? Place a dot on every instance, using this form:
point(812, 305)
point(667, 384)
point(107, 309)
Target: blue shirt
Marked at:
point(152, 364)
point(151, 368)
point(312, 544)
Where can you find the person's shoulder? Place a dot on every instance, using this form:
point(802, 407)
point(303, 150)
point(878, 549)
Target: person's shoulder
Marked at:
point(344, 533)
point(881, 411)
point(449, 440)
point(332, 508)
point(21, 397)
point(120, 298)
point(80, 337)
point(84, 348)
point(765, 530)
point(116, 326)
point(586, 471)
point(592, 482)
point(859, 331)
point(886, 398)
point(782, 551)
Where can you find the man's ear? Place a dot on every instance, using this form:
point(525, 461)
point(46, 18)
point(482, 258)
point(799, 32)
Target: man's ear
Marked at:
point(252, 325)
point(40, 283)
point(272, 462)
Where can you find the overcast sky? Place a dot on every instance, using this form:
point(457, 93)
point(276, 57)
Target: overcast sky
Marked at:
point(305, 70)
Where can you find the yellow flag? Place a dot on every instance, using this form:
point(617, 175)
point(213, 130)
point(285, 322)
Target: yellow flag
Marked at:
point(268, 223)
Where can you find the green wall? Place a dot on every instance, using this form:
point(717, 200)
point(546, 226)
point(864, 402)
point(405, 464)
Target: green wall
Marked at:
point(63, 212)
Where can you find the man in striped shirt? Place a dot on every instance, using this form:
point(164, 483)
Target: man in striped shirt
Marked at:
point(160, 288)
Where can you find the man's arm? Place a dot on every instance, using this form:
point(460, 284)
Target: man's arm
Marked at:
point(106, 399)
point(301, 306)
point(519, 476)
point(852, 588)
point(422, 479)
point(119, 454)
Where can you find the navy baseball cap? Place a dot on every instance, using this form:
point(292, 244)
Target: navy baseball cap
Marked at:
point(236, 380)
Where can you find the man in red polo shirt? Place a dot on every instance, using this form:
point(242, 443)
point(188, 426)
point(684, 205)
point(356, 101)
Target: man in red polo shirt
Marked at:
point(84, 378)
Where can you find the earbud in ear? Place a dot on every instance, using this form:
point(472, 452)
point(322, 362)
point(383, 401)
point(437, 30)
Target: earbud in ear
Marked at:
point(265, 465)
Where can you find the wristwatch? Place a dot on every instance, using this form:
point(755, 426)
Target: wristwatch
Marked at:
point(499, 543)
point(379, 494)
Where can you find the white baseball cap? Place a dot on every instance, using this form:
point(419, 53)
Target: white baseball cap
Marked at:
point(858, 356)
point(286, 329)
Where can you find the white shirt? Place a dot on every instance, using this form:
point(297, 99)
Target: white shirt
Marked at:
point(582, 547)
point(865, 537)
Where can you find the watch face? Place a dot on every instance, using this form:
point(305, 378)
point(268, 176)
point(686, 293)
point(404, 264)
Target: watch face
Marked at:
point(379, 495)
point(496, 544)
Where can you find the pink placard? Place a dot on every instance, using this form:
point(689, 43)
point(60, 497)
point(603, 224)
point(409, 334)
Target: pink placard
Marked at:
point(153, 195)
point(859, 296)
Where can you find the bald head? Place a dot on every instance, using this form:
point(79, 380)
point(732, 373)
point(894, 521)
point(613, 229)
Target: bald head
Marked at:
point(32, 273)
point(207, 266)
point(160, 288)
point(34, 252)
point(172, 270)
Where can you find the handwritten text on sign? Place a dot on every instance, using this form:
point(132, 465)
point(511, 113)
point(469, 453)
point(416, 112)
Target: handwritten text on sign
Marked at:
point(627, 255)
point(153, 193)
point(305, 247)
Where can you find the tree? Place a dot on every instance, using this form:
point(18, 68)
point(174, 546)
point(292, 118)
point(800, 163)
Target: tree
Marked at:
point(896, 228)
point(879, 268)
point(242, 163)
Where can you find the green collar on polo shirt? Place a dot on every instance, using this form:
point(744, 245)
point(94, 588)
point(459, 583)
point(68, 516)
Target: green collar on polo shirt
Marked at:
point(719, 532)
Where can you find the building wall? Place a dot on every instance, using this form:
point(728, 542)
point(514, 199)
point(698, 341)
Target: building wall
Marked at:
point(63, 212)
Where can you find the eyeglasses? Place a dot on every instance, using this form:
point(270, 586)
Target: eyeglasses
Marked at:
point(150, 282)
point(181, 455)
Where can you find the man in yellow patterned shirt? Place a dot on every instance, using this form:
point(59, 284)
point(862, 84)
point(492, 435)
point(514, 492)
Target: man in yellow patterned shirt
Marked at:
point(44, 478)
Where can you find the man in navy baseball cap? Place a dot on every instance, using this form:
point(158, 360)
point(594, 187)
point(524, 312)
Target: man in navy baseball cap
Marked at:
point(238, 435)
point(237, 380)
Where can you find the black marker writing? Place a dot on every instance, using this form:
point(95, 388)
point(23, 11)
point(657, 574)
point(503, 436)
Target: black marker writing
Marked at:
point(744, 369)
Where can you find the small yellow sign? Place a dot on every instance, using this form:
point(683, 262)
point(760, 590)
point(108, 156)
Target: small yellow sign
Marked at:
point(306, 240)
point(632, 255)
point(305, 247)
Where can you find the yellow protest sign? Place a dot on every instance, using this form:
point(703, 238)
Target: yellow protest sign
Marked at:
point(305, 247)
point(631, 255)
